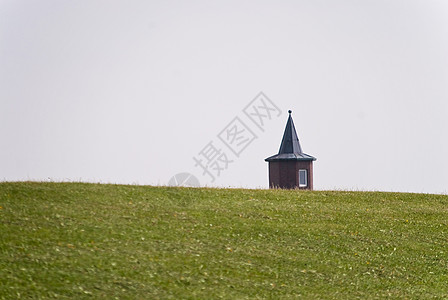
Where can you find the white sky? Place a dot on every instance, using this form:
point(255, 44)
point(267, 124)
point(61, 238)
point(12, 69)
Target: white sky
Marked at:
point(131, 91)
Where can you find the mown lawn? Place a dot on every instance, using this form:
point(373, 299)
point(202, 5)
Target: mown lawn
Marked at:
point(77, 240)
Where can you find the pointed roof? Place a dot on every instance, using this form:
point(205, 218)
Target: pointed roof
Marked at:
point(290, 148)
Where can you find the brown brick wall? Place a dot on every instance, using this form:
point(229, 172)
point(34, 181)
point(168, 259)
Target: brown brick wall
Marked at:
point(285, 174)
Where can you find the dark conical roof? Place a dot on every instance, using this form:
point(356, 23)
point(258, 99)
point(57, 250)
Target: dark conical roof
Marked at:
point(290, 148)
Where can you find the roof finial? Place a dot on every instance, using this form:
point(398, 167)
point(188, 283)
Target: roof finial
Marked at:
point(289, 111)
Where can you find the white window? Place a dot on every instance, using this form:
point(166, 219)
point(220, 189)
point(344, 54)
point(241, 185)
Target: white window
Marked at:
point(302, 178)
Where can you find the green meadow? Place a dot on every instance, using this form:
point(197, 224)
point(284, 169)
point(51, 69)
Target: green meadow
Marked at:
point(99, 241)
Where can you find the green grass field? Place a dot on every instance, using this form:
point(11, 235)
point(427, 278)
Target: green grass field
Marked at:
point(77, 240)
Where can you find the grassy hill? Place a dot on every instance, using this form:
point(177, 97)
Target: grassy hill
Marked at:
point(75, 240)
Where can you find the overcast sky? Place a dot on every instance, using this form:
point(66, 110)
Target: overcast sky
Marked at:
point(135, 91)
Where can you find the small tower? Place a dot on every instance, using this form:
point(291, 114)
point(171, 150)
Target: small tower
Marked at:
point(290, 168)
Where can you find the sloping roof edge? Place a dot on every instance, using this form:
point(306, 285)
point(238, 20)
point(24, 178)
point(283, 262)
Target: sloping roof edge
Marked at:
point(290, 156)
